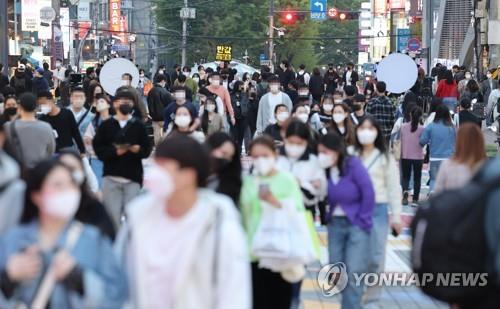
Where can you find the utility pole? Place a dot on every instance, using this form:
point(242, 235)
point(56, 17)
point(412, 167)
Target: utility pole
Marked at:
point(4, 38)
point(184, 35)
point(271, 33)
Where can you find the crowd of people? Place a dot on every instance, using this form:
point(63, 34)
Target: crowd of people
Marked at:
point(145, 196)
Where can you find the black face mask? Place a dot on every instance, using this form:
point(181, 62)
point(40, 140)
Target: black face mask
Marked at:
point(11, 111)
point(357, 107)
point(125, 109)
point(221, 164)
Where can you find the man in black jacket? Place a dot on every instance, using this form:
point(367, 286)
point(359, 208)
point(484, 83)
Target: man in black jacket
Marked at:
point(465, 115)
point(121, 143)
point(351, 77)
point(158, 99)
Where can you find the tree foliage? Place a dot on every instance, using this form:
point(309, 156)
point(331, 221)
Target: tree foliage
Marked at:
point(244, 26)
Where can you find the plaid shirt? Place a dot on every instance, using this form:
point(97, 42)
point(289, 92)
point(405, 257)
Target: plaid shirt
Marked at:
point(384, 112)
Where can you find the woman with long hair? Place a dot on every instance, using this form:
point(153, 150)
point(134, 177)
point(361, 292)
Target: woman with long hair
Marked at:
point(470, 154)
point(95, 91)
point(440, 136)
point(226, 166)
point(264, 193)
point(342, 123)
point(53, 242)
point(448, 91)
point(326, 112)
point(383, 170)
point(352, 203)
point(412, 155)
point(211, 120)
point(183, 121)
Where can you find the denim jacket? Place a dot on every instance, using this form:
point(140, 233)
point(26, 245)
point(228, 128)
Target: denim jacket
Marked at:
point(104, 284)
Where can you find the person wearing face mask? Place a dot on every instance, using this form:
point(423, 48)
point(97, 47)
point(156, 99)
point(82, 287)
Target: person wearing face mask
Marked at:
point(351, 77)
point(183, 122)
point(63, 123)
point(216, 88)
point(303, 95)
point(54, 242)
point(121, 143)
point(382, 109)
point(211, 121)
point(102, 114)
point(326, 112)
point(240, 103)
point(264, 192)
point(316, 85)
point(292, 91)
point(298, 158)
point(267, 104)
point(40, 84)
point(58, 73)
point(127, 79)
point(184, 80)
point(95, 89)
point(179, 95)
point(488, 85)
point(91, 210)
point(27, 132)
point(197, 80)
point(10, 108)
point(83, 116)
point(492, 110)
point(161, 71)
point(331, 79)
point(178, 220)
point(358, 108)
point(286, 74)
point(462, 85)
point(158, 99)
point(350, 217)
point(342, 124)
point(276, 131)
point(383, 170)
point(226, 166)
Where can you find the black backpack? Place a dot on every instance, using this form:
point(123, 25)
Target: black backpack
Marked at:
point(20, 83)
point(449, 238)
point(300, 78)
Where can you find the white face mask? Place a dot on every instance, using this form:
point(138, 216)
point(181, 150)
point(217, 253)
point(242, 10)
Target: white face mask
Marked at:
point(196, 79)
point(62, 205)
point(78, 103)
point(308, 109)
point(210, 107)
point(264, 165)
point(58, 65)
point(366, 136)
point(158, 182)
point(101, 105)
point(78, 177)
point(303, 117)
point(45, 109)
point(215, 82)
point(161, 72)
point(325, 161)
point(338, 101)
point(338, 118)
point(182, 121)
point(295, 151)
point(489, 76)
point(125, 82)
point(328, 107)
point(282, 116)
point(274, 88)
point(303, 93)
point(180, 95)
point(468, 76)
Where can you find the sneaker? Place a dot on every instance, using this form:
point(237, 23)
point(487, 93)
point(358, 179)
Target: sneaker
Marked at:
point(414, 204)
point(405, 198)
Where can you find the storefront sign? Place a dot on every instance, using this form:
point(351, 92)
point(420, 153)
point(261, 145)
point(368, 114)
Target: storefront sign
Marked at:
point(380, 7)
point(223, 53)
point(114, 15)
point(30, 15)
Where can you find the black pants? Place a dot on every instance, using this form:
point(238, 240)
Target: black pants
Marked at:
point(407, 166)
point(270, 290)
point(238, 133)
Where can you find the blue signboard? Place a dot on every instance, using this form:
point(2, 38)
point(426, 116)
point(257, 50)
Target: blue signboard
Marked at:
point(263, 57)
point(403, 37)
point(318, 9)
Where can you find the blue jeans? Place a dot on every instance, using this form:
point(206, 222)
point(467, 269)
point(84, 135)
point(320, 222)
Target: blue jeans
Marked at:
point(378, 243)
point(349, 244)
point(433, 171)
point(97, 168)
point(451, 103)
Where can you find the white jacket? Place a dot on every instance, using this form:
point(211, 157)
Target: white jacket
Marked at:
point(306, 172)
point(195, 287)
point(384, 174)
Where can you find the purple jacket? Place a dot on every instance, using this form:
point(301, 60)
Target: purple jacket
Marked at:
point(354, 193)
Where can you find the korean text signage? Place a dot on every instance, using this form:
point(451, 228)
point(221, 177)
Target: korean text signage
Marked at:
point(30, 17)
point(114, 15)
point(224, 53)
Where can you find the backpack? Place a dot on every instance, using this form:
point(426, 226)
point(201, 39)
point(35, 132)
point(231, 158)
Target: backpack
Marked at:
point(20, 83)
point(300, 77)
point(449, 238)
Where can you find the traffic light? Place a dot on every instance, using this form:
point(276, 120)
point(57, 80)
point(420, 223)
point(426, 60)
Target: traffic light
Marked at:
point(334, 13)
point(291, 17)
